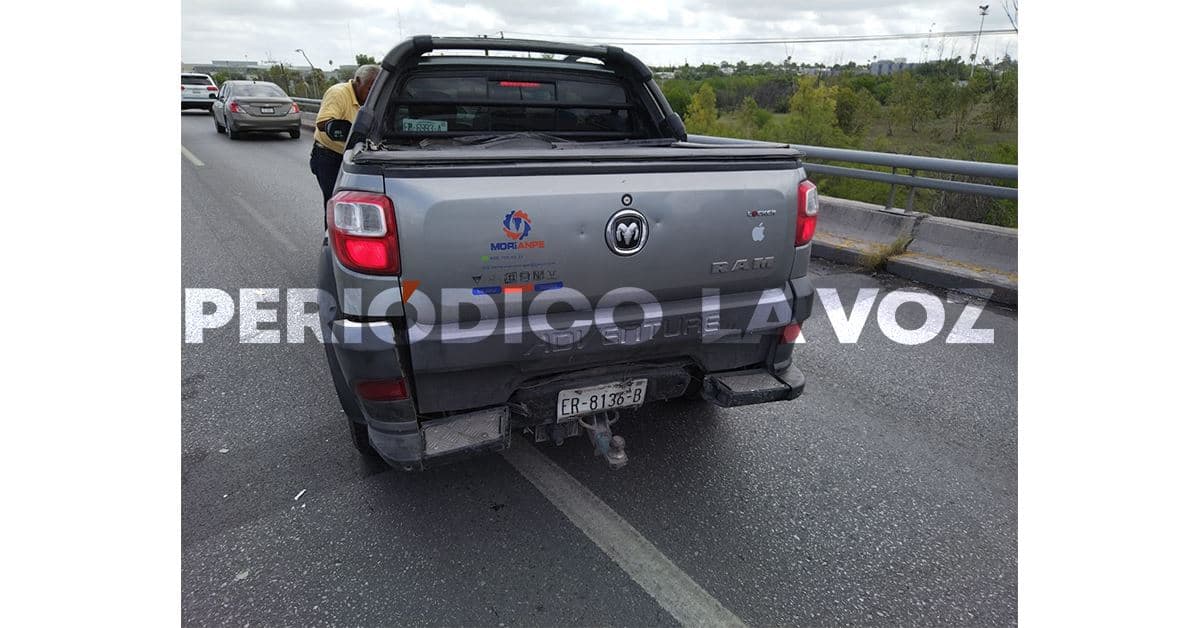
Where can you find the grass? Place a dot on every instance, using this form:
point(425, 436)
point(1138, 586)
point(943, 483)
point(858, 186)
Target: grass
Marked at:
point(878, 258)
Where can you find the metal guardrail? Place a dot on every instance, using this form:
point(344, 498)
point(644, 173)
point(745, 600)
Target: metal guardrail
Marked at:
point(912, 163)
point(308, 104)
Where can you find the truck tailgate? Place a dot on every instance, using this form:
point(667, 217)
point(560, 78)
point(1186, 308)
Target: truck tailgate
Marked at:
point(510, 238)
point(489, 233)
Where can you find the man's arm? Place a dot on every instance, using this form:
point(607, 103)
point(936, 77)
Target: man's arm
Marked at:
point(332, 108)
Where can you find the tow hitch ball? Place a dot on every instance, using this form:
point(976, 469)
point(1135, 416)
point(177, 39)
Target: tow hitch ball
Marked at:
point(607, 444)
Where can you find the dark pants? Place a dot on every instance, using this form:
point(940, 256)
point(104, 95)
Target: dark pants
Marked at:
point(325, 164)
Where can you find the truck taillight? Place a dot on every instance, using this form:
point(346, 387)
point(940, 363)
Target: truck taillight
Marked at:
point(808, 204)
point(362, 232)
point(382, 389)
point(233, 107)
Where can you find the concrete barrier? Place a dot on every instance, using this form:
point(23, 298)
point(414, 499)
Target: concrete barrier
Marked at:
point(853, 232)
point(968, 257)
point(965, 256)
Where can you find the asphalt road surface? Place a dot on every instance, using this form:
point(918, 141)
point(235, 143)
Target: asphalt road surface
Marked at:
point(886, 494)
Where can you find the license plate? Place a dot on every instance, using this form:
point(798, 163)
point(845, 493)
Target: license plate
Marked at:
point(578, 402)
point(268, 110)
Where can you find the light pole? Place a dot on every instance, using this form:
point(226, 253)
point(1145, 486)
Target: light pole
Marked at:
point(982, 15)
point(312, 73)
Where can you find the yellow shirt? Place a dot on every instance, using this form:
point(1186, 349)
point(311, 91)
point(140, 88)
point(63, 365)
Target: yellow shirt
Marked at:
point(339, 103)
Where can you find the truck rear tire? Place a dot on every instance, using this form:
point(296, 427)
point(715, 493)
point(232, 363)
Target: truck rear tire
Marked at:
point(360, 439)
point(354, 418)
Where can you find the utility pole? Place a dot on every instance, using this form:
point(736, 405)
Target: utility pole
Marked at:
point(982, 16)
point(312, 75)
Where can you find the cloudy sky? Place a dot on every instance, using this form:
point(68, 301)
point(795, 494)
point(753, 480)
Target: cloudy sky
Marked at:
point(334, 30)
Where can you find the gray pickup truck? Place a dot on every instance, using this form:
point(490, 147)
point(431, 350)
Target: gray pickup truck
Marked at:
point(526, 240)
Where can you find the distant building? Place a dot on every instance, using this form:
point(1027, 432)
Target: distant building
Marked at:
point(887, 67)
point(666, 75)
point(813, 71)
point(244, 68)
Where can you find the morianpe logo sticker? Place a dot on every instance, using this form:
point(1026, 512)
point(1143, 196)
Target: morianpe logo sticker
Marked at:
point(517, 225)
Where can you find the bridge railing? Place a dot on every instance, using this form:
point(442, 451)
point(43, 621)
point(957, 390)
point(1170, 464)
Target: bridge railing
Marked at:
point(310, 105)
point(913, 164)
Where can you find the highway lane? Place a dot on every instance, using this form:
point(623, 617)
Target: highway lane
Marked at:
point(885, 494)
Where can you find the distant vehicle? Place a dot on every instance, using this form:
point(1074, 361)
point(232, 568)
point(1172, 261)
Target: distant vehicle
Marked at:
point(535, 188)
point(243, 106)
point(197, 91)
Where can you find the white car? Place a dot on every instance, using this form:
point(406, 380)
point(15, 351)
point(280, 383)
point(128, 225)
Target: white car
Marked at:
point(198, 91)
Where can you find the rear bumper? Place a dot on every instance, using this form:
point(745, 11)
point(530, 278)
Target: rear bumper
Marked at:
point(447, 439)
point(257, 123)
point(734, 374)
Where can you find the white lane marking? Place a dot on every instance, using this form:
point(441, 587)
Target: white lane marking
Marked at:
point(673, 589)
point(275, 233)
point(190, 157)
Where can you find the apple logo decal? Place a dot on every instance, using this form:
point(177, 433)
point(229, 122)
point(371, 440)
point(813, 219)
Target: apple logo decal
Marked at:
point(758, 233)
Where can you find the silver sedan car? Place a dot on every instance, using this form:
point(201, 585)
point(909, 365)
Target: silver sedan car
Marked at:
point(245, 106)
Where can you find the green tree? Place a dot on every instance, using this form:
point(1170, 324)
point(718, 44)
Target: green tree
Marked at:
point(1003, 108)
point(811, 117)
point(362, 59)
point(702, 112)
point(678, 94)
point(749, 119)
point(913, 102)
point(855, 109)
point(941, 95)
point(964, 101)
point(283, 77)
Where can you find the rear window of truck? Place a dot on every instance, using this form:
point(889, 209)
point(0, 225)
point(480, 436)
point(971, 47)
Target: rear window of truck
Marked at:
point(436, 106)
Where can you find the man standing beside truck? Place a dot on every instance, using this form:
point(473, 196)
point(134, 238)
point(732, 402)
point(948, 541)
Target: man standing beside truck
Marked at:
point(341, 102)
